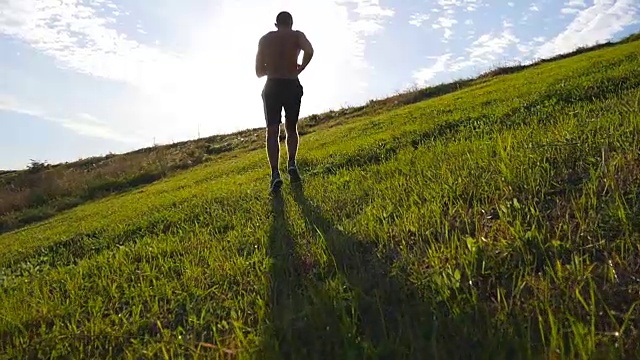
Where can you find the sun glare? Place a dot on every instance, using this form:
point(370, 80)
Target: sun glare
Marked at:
point(213, 89)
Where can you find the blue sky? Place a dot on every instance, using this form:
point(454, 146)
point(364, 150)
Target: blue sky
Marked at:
point(80, 78)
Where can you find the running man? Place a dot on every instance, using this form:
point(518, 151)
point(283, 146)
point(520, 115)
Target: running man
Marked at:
point(277, 58)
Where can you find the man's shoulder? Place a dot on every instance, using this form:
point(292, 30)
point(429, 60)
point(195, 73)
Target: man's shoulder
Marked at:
point(267, 35)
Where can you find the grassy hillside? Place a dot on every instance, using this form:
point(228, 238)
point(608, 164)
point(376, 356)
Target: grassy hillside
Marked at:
point(501, 220)
point(44, 190)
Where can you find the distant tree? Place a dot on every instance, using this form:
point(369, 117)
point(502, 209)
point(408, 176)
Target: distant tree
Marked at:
point(37, 166)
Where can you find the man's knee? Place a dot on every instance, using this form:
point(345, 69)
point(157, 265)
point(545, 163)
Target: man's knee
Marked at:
point(291, 127)
point(273, 131)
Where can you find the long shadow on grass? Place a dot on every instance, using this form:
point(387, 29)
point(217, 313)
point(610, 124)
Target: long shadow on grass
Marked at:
point(378, 327)
point(377, 315)
point(306, 319)
point(290, 329)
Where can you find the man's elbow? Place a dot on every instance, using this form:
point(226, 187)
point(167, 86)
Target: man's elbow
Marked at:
point(309, 54)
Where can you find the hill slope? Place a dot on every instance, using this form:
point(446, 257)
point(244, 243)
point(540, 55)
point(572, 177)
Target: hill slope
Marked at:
point(498, 221)
point(44, 190)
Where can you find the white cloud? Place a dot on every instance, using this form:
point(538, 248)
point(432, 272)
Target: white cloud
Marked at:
point(576, 3)
point(532, 10)
point(449, 9)
point(447, 35)
point(370, 9)
point(569, 11)
point(78, 38)
point(466, 5)
point(417, 19)
point(446, 22)
point(82, 123)
point(371, 15)
point(598, 22)
point(573, 6)
point(422, 76)
point(483, 51)
point(487, 46)
point(9, 103)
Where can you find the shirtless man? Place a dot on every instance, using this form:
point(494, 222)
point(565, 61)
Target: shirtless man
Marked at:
point(277, 58)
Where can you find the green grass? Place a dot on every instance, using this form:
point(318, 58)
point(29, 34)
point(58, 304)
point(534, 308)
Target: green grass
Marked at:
point(498, 221)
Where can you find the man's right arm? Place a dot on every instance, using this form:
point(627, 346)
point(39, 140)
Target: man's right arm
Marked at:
point(261, 69)
point(305, 45)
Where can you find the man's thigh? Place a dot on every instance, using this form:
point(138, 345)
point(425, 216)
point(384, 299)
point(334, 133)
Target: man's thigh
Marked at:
point(292, 103)
point(272, 105)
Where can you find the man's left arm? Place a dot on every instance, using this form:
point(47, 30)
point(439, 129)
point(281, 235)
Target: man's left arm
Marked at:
point(261, 66)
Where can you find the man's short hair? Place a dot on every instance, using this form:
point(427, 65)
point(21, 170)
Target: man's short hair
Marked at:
point(284, 18)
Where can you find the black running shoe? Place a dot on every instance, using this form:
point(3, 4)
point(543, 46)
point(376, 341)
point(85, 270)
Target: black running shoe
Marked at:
point(276, 183)
point(294, 174)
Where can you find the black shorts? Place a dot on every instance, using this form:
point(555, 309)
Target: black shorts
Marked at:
point(278, 94)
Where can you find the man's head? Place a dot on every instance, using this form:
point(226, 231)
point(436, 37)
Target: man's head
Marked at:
point(284, 20)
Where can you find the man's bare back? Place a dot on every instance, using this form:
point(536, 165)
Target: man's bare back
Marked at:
point(278, 53)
